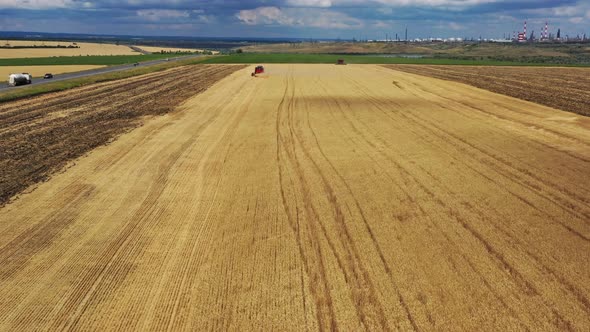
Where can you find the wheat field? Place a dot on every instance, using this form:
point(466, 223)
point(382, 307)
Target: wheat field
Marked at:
point(85, 49)
point(314, 197)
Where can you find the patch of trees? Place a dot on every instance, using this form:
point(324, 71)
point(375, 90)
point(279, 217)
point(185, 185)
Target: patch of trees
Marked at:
point(185, 52)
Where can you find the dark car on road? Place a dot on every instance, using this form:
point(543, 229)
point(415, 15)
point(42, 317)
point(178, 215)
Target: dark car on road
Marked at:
point(48, 76)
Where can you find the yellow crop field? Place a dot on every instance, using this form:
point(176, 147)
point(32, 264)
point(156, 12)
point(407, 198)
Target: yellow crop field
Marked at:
point(85, 49)
point(313, 197)
point(562, 88)
point(39, 71)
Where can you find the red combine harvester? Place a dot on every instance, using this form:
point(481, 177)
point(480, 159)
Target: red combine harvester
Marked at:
point(258, 70)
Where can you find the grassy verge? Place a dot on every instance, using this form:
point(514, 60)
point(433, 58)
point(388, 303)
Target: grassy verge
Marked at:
point(99, 60)
point(35, 90)
point(363, 59)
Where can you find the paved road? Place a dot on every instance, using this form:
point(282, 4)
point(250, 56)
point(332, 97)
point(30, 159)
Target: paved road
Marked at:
point(86, 73)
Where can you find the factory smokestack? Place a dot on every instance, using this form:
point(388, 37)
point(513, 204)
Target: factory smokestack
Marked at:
point(546, 30)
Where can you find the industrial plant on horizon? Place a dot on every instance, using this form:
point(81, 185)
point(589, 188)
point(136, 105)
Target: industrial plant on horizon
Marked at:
point(514, 37)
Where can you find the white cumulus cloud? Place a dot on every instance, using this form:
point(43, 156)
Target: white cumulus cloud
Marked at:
point(456, 26)
point(301, 17)
point(264, 15)
point(36, 4)
point(400, 3)
point(160, 14)
point(310, 3)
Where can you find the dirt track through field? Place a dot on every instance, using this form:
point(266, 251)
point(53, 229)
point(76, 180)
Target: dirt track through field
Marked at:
point(316, 197)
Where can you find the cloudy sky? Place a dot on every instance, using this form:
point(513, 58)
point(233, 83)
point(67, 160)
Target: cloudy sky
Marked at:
point(295, 18)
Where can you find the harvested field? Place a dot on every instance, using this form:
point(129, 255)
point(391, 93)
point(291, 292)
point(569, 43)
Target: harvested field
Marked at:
point(563, 88)
point(40, 135)
point(314, 197)
point(39, 71)
point(84, 49)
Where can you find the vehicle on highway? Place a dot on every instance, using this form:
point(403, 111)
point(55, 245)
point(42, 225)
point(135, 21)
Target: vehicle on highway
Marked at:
point(48, 76)
point(29, 78)
point(20, 79)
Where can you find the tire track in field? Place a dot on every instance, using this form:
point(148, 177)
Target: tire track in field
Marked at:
point(104, 275)
point(542, 182)
point(562, 88)
point(111, 267)
point(472, 105)
point(369, 141)
point(314, 266)
point(366, 224)
point(223, 147)
point(36, 142)
point(578, 294)
point(534, 188)
point(38, 108)
point(313, 198)
point(513, 117)
point(144, 219)
point(408, 172)
point(15, 254)
point(75, 109)
point(367, 304)
point(410, 198)
point(408, 177)
point(420, 121)
point(350, 265)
